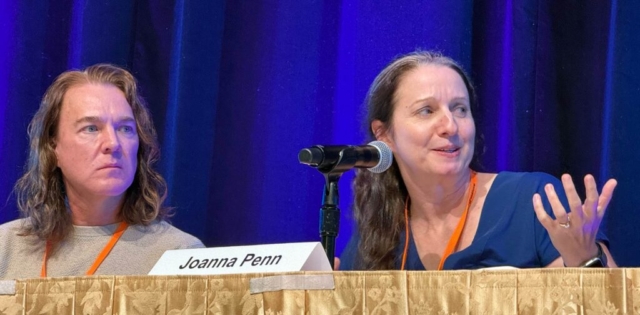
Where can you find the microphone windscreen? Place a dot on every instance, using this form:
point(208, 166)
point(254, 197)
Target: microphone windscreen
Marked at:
point(311, 156)
point(386, 157)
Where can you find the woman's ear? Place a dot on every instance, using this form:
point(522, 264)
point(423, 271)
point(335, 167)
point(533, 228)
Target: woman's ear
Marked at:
point(380, 131)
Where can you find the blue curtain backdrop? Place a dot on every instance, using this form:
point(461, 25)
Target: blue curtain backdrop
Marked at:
point(237, 88)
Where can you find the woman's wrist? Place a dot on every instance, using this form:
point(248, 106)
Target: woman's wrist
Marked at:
point(597, 259)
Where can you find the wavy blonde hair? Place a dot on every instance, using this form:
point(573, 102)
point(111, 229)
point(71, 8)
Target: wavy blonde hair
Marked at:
point(40, 191)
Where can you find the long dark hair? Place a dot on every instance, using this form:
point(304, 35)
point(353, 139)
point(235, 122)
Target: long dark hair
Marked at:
point(380, 198)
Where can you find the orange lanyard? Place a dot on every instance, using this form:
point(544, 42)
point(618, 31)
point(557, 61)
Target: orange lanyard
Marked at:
point(455, 237)
point(103, 254)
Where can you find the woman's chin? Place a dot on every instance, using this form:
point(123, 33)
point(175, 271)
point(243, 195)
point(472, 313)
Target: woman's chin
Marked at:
point(112, 191)
point(114, 187)
point(451, 170)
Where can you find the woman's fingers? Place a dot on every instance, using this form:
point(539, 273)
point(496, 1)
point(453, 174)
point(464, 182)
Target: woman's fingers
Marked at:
point(591, 202)
point(546, 221)
point(591, 211)
point(575, 203)
point(556, 205)
point(605, 197)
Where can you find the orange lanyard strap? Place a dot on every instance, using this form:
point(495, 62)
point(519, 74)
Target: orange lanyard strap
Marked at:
point(43, 270)
point(406, 237)
point(101, 257)
point(455, 238)
point(453, 241)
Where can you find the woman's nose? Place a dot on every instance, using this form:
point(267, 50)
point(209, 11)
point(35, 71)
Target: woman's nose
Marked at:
point(111, 142)
point(447, 125)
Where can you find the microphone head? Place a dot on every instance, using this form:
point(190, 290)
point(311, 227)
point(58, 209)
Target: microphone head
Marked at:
point(386, 157)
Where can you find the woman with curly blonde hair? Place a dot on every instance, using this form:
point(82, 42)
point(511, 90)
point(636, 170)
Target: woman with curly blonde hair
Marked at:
point(89, 197)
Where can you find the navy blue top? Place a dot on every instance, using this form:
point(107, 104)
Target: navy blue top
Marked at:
point(508, 234)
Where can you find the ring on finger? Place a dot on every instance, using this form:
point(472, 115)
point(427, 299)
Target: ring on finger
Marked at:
point(567, 224)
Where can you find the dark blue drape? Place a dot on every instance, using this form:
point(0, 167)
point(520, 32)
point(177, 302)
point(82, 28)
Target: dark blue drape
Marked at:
point(237, 88)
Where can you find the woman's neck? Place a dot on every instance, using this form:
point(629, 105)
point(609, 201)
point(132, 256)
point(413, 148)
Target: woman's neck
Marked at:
point(434, 198)
point(95, 212)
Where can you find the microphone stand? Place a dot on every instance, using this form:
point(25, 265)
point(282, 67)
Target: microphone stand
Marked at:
point(329, 212)
point(330, 215)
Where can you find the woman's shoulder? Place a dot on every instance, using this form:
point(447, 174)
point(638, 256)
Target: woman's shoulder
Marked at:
point(11, 227)
point(164, 230)
point(519, 185)
point(13, 239)
point(525, 178)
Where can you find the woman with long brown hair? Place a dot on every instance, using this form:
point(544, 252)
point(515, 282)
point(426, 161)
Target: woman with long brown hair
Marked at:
point(433, 210)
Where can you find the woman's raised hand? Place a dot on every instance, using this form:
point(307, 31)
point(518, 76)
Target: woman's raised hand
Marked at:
point(573, 232)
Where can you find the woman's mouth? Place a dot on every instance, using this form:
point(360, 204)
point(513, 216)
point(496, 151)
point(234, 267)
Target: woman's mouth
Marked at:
point(449, 150)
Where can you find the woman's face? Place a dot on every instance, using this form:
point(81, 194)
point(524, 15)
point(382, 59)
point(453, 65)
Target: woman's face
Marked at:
point(96, 142)
point(432, 129)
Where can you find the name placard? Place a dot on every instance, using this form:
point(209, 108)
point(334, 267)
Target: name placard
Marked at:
point(286, 257)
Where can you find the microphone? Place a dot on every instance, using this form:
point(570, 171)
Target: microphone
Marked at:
point(375, 156)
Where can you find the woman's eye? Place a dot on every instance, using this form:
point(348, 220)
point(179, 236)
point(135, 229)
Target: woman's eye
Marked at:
point(460, 111)
point(127, 129)
point(425, 111)
point(91, 128)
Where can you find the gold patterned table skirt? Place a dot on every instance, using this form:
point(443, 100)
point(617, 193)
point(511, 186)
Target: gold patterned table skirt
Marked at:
point(525, 291)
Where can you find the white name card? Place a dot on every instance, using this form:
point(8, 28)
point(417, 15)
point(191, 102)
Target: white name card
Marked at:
point(243, 259)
